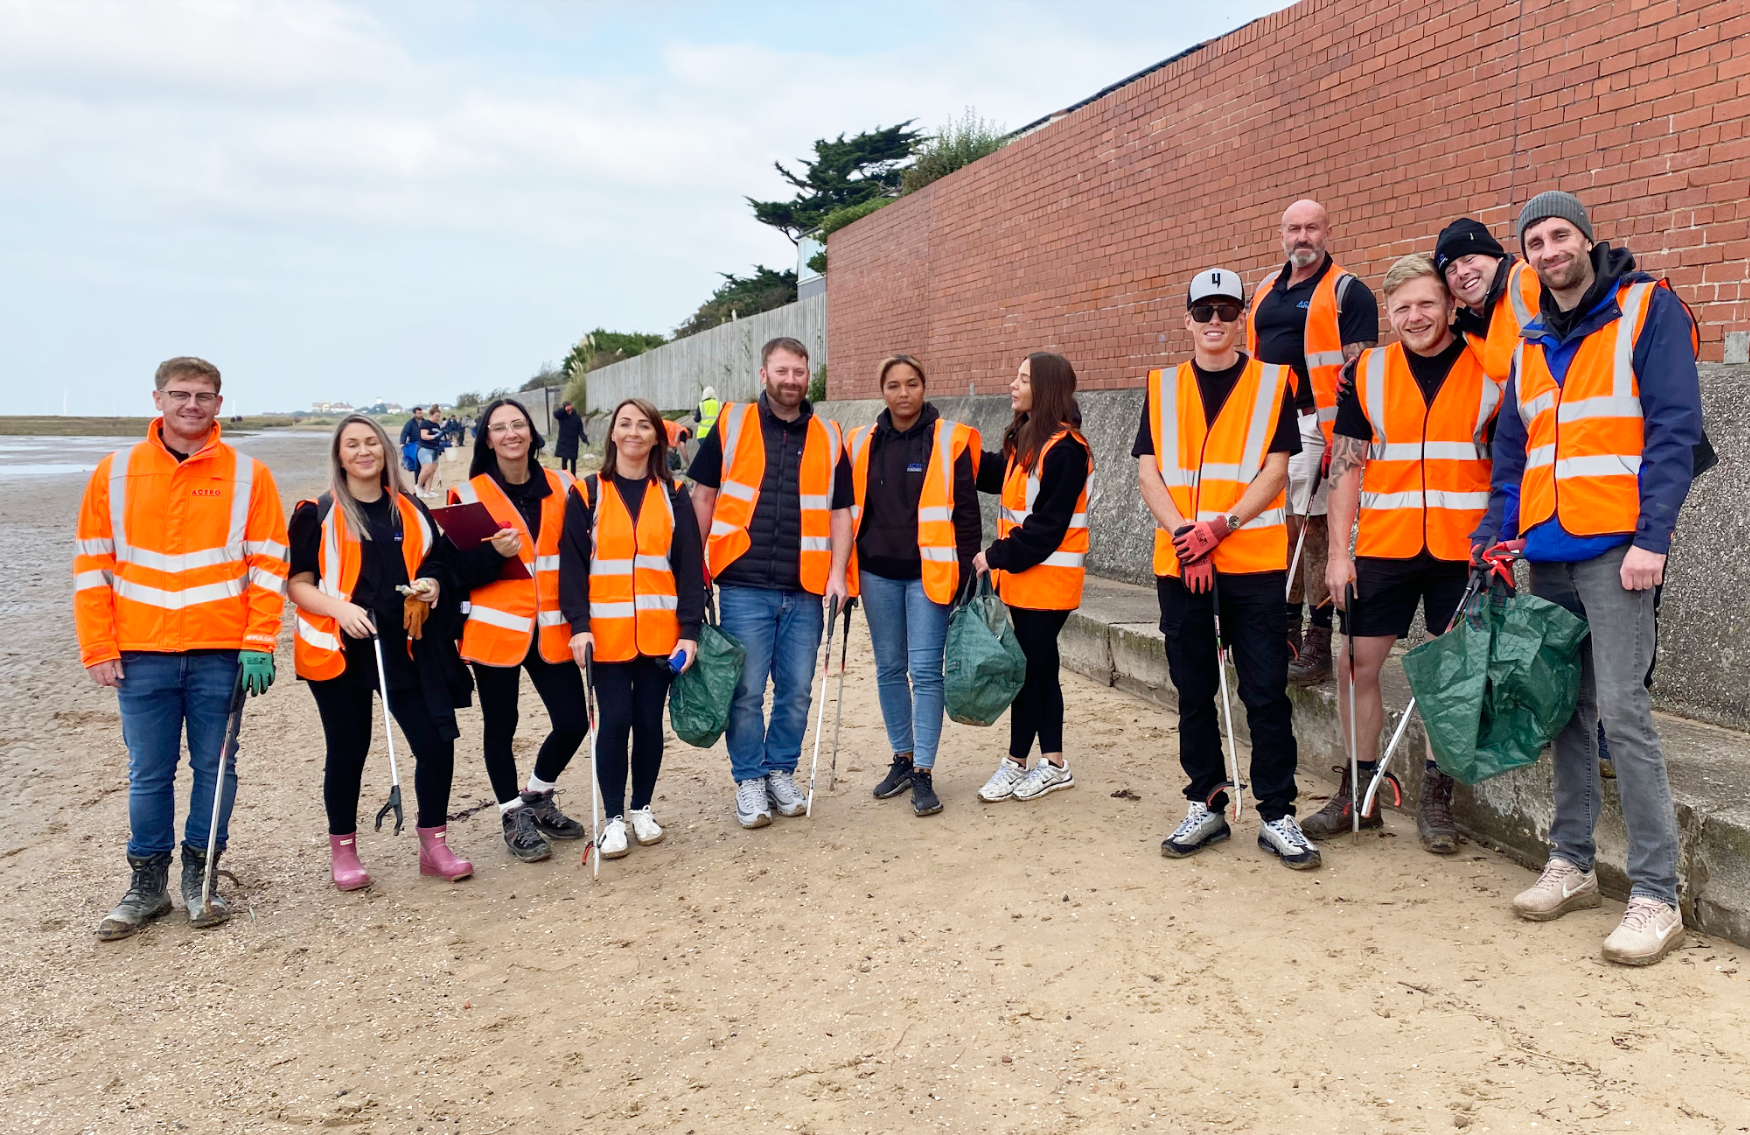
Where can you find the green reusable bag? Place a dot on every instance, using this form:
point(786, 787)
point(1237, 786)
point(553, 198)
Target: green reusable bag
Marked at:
point(1495, 689)
point(698, 700)
point(982, 665)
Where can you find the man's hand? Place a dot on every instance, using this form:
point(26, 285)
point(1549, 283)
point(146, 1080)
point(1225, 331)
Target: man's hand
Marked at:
point(580, 643)
point(1642, 569)
point(837, 590)
point(1199, 576)
point(1196, 541)
point(106, 673)
point(1339, 574)
point(257, 671)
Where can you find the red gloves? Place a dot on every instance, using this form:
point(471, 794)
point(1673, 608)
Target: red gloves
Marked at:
point(1195, 541)
point(1198, 577)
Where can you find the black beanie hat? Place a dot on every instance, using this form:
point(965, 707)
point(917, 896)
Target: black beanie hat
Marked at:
point(1461, 238)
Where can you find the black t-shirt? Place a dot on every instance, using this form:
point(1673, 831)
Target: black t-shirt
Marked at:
point(1213, 387)
point(1430, 372)
point(381, 570)
point(1281, 322)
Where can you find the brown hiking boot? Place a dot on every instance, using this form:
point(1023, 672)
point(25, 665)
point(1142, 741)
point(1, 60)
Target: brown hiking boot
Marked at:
point(1434, 814)
point(1333, 818)
point(1314, 664)
point(1294, 640)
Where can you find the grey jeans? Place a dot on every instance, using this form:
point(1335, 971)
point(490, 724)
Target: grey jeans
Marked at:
point(1613, 670)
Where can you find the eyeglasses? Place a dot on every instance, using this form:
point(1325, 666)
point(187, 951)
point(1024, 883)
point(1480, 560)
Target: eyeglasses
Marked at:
point(504, 427)
point(1204, 312)
point(181, 397)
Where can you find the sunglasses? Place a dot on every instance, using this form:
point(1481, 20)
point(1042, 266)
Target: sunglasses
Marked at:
point(1204, 312)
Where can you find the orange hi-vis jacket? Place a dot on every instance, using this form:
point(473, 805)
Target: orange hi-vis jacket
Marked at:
point(633, 598)
point(744, 467)
point(1426, 481)
point(178, 556)
point(504, 615)
point(1515, 307)
point(318, 651)
point(936, 547)
point(1207, 467)
point(1055, 584)
point(1324, 340)
point(673, 429)
point(1583, 436)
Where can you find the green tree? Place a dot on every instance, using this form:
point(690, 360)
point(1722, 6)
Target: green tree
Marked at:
point(738, 296)
point(956, 145)
point(843, 172)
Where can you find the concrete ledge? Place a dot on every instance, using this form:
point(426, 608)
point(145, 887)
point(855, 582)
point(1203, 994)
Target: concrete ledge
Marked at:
point(1115, 638)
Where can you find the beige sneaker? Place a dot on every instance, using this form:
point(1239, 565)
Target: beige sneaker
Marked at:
point(1649, 930)
point(1562, 887)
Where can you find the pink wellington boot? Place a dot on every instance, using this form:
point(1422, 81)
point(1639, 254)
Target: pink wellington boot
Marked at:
point(436, 858)
point(349, 874)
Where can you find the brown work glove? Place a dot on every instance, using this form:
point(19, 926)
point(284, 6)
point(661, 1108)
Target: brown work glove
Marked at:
point(414, 612)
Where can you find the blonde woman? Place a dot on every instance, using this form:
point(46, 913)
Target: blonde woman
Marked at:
point(351, 548)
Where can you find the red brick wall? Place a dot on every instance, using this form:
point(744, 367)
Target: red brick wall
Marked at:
point(1398, 116)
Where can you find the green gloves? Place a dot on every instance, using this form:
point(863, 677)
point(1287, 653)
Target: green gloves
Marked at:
point(257, 670)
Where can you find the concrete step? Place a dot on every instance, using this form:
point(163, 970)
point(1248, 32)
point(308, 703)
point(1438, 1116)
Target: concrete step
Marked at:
point(1115, 638)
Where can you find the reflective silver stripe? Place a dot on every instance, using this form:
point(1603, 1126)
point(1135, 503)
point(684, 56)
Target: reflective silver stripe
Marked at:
point(546, 563)
point(1521, 313)
point(550, 618)
point(737, 490)
point(835, 436)
point(1434, 498)
point(729, 418)
point(1430, 450)
point(1266, 408)
point(243, 480)
point(610, 567)
point(942, 455)
point(177, 600)
point(267, 580)
point(496, 618)
point(264, 548)
point(1603, 406)
point(1411, 499)
point(102, 546)
point(1530, 410)
point(1324, 359)
point(321, 640)
point(1598, 465)
point(721, 527)
point(1064, 559)
point(651, 563)
point(655, 602)
point(816, 544)
point(1540, 455)
point(427, 536)
point(1167, 418)
point(935, 513)
point(1622, 371)
point(1269, 518)
point(1079, 520)
point(87, 579)
point(1486, 407)
point(1014, 517)
point(1176, 478)
point(118, 497)
point(187, 561)
point(939, 555)
point(1375, 401)
point(1212, 471)
point(611, 610)
point(813, 501)
point(466, 493)
point(1450, 498)
point(1327, 414)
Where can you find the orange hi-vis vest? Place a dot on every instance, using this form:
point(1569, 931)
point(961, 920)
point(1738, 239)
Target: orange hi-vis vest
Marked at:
point(503, 615)
point(673, 429)
point(1055, 584)
point(1514, 308)
point(1323, 339)
point(1208, 467)
point(744, 468)
point(1426, 481)
point(936, 544)
point(317, 649)
point(1583, 436)
point(178, 556)
point(632, 594)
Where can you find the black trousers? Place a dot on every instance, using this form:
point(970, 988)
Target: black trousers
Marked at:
point(349, 715)
point(1038, 709)
point(1254, 624)
point(569, 464)
point(629, 698)
point(560, 685)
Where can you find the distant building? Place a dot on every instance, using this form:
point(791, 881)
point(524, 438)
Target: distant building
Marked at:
point(331, 407)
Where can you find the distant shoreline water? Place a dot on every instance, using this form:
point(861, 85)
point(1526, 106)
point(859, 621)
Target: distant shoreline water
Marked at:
point(25, 457)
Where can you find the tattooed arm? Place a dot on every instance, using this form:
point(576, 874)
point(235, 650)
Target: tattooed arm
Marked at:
point(1348, 460)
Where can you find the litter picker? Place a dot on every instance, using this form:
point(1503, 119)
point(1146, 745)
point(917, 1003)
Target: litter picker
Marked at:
point(838, 713)
point(394, 802)
point(227, 759)
point(1227, 709)
point(1312, 490)
point(832, 618)
point(1354, 757)
point(595, 784)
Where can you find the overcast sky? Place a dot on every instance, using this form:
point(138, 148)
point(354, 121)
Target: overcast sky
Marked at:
point(334, 200)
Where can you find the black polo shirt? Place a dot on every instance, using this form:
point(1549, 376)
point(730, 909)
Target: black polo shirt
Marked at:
point(1281, 323)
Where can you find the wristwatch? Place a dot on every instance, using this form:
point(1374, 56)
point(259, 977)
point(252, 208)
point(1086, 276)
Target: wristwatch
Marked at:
point(1233, 522)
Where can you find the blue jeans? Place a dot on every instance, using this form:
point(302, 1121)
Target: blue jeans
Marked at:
point(781, 631)
point(158, 693)
point(908, 632)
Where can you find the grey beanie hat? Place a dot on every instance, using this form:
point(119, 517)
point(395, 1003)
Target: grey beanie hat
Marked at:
point(1554, 203)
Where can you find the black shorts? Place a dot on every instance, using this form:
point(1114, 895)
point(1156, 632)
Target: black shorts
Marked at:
point(1389, 590)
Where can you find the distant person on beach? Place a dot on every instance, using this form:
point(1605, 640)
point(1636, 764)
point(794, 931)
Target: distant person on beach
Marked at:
point(178, 585)
point(570, 424)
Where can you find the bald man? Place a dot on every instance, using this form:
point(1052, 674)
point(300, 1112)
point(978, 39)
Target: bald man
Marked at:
point(1311, 315)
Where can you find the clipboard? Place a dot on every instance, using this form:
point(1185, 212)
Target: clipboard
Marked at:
point(468, 526)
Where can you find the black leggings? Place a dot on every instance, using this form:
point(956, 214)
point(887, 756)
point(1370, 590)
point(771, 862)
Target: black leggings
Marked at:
point(569, 464)
point(1038, 709)
point(560, 685)
point(629, 697)
point(349, 717)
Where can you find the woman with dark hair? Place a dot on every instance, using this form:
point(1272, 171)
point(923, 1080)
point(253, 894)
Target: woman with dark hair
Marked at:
point(917, 529)
point(351, 549)
point(514, 622)
point(632, 587)
point(1037, 560)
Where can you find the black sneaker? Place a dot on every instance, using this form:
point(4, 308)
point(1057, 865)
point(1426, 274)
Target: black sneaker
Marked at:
point(1198, 830)
point(549, 820)
point(148, 897)
point(522, 835)
point(898, 777)
point(924, 801)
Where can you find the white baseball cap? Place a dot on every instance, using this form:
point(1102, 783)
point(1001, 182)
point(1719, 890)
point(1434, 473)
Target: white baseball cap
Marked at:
point(1214, 284)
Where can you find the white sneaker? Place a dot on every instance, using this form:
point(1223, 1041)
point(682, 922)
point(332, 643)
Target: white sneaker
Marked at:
point(613, 843)
point(752, 808)
point(1284, 839)
point(1001, 785)
point(1044, 777)
point(786, 797)
point(1649, 930)
point(645, 829)
point(1198, 830)
point(1562, 887)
